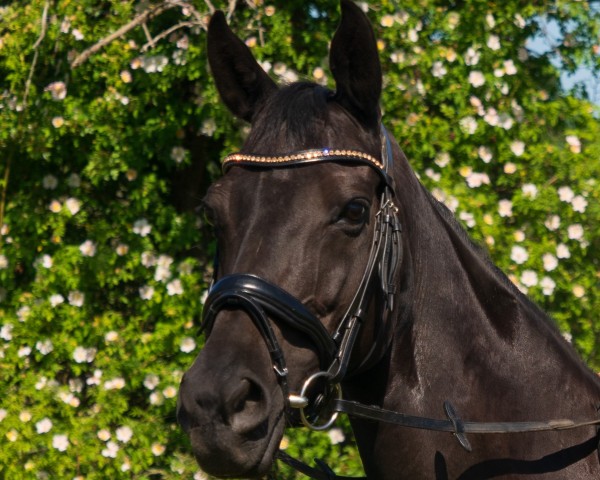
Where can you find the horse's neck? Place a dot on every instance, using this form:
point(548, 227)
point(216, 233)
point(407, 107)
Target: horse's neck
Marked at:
point(468, 332)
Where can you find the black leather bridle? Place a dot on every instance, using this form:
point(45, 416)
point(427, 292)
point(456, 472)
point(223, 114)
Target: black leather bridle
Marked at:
point(265, 302)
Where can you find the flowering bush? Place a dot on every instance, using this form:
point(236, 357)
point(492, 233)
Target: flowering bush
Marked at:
point(111, 130)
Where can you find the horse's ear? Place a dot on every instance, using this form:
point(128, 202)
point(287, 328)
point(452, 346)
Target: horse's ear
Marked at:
point(241, 81)
point(354, 63)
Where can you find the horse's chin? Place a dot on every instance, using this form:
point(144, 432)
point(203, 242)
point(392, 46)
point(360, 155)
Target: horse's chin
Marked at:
point(225, 454)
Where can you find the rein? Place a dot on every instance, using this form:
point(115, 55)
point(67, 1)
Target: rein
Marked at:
point(263, 301)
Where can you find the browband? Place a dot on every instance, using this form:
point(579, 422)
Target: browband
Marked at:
point(318, 156)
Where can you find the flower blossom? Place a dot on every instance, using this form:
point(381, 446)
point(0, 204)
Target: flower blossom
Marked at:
point(84, 355)
point(505, 208)
point(519, 255)
point(142, 227)
point(60, 442)
point(88, 248)
point(43, 426)
point(58, 90)
point(476, 78)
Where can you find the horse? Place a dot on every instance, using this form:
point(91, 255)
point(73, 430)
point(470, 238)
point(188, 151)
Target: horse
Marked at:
point(342, 284)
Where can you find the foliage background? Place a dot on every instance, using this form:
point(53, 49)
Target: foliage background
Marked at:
point(104, 263)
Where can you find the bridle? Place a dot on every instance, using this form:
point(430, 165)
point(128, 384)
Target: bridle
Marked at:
point(265, 302)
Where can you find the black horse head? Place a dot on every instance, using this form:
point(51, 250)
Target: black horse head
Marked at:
point(314, 276)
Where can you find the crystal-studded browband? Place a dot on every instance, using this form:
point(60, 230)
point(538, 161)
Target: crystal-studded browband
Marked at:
point(305, 156)
point(382, 167)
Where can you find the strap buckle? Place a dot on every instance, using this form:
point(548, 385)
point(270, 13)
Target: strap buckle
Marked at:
point(323, 401)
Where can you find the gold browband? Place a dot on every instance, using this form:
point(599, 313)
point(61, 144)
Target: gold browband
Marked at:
point(306, 156)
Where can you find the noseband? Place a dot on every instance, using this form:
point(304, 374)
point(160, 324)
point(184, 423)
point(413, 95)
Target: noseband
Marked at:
point(264, 302)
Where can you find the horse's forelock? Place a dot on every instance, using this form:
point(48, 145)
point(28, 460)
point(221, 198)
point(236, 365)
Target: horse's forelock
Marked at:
point(302, 116)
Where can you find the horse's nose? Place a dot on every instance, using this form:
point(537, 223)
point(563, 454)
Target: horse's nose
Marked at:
point(238, 403)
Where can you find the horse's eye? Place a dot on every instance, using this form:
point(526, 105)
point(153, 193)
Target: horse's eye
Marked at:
point(355, 212)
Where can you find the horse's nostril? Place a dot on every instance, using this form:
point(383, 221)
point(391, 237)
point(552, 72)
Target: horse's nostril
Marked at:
point(245, 406)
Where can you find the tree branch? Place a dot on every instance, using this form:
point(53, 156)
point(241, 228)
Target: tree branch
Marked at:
point(140, 19)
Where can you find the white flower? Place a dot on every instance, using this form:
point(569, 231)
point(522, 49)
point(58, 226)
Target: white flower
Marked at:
point(493, 42)
point(122, 249)
point(111, 450)
point(575, 231)
point(550, 262)
point(76, 298)
point(505, 121)
point(519, 235)
point(146, 292)
point(3, 262)
point(413, 35)
point(476, 179)
point(151, 381)
point(25, 416)
point(124, 434)
point(491, 117)
point(60, 442)
point(56, 299)
point(518, 254)
point(88, 248)
point(336, 435)
point(187, 345)
point(519, 21)
point(178, 154)
point(94, 379)
point(552, 222)
point(387, 21)
point(44, 346)
point(468, 218)
point(468, 124)
point(111, 336)
point(49, 182)
point(3, 414)
point(579, 204)
point(157, 449)
point(529, 190)
point(58, 90)
point(55, 206)
point(24, 351)
point(148, 259)
point(6, 332)
point(77, 34)
point(43, 426)
point(84, 355)
point(209, 127)
point(175, 287)
point(574, 143)
point(114, 384)
point(45, 261)
point(562, 251)
point(154, 63)
point(578, 291)
point(142, 227)
point(509, 67)
point(529, 278)
point(156, 398)
point(565, 194)
point(472, 57)
point(548, 285)
point(438, 70)
point(485, 154)
point(517, 147)
point(442, 159)
point(170, 392)
point(505, 208)
point(103, 435)
point(73, 205)
point(476, 78)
